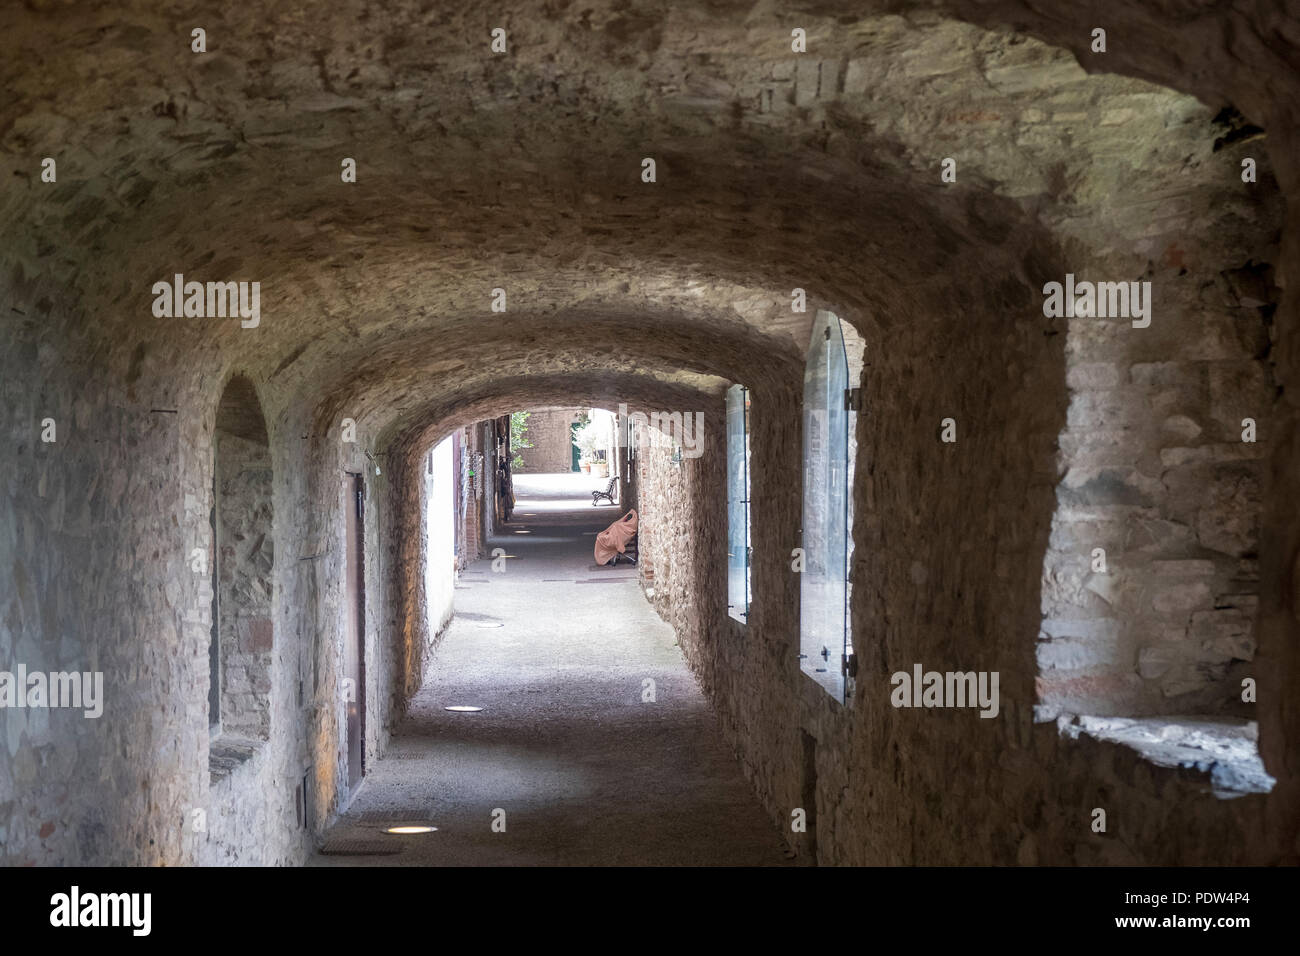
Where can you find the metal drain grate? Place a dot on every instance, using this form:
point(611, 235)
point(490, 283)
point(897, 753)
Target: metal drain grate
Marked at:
point(360, 846)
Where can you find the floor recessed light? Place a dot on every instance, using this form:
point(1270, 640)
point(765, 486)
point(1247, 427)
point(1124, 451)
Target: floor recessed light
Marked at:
point(410, 829)
point(487, 623)
point(463, 709)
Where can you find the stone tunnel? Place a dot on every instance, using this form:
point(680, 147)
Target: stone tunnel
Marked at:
point(261, 260)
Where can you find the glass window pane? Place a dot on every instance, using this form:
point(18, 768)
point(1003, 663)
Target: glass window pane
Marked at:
point(823, 585)
point(738, 502)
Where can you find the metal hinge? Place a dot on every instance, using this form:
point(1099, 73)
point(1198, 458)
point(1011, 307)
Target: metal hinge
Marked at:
point(852, 399)
point(849, 664)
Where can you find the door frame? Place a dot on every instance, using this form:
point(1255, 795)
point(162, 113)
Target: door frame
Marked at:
point(354, 637)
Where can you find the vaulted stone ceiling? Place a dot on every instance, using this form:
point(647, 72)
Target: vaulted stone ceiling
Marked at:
point(522, 171)
point(776, 170)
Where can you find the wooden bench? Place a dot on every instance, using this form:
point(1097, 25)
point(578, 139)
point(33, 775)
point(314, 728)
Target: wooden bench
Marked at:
point(607, 494)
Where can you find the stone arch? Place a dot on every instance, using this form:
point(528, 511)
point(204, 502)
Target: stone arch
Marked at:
point(408, 441)
point(1151, 578)
point(242, 638)
point(821, 173)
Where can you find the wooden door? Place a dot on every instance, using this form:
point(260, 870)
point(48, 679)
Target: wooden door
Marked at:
point(354, 653)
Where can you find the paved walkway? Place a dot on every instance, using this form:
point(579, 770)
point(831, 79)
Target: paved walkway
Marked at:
point(586, 773)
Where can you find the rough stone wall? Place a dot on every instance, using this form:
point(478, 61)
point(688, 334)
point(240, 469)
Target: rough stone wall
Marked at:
point(148, 633)
point(818, 172)
point(1158, 475)
point(471, 497)
point(1278, 619)
point(410, 562)
point(676, 532)
point(76, 578)
point(332, 464)
point(1135, 446)
point(548, 430)
point(946, 580)
point(485, 480)
point(628, 467)
point(252, 811)
point(950, 543)
point(245, 558)
point(748, 669)
point(424, 594)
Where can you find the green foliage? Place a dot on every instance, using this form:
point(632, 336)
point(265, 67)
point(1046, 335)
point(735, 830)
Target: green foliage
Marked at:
point(518, 438)
point(586, 439)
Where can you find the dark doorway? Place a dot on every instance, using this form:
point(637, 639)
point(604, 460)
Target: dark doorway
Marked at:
point(354, 686)
point(575, 454)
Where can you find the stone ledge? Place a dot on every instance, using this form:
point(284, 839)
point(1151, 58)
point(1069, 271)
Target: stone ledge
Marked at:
point(227, 753)
point(1225, 748)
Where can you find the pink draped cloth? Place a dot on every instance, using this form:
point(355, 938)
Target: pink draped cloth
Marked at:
point(613, 540)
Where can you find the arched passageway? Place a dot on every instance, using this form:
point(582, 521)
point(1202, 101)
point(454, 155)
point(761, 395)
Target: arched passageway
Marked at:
point(381, 233)
point(589, 741)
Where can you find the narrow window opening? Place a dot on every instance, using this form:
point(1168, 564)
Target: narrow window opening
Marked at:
point(829, 447)
point(240, 648)
point(738, 517)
